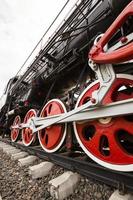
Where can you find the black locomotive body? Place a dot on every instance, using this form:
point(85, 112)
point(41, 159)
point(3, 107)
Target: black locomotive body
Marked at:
point(61, 69)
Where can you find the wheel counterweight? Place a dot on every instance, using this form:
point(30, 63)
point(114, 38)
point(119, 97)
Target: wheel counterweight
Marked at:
point(52, 137)
point(108, 141)
point(15, 131)
point(28, 137)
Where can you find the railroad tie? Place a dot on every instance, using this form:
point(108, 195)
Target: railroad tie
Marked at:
point(64, 185)
point(40, 170)
point(117, 196)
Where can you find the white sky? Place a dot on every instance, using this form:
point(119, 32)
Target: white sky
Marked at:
point(22, 24)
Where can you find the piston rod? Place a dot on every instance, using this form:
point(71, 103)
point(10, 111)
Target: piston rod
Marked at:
point(111, 110)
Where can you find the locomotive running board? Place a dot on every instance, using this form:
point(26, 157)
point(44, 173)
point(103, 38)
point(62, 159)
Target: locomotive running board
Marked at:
point(111, 110)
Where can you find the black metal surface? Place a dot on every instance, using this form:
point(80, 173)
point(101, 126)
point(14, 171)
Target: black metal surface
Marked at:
point(120, 180)
point(81, 26)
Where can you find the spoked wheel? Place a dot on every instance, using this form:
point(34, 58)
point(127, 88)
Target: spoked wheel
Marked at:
point(108, 141)
point(15, 133)
point(28, 137)
point(52, 137)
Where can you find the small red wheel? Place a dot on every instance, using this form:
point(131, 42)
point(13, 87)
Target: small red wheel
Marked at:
point(15, 131)
point(52, 137)
point(28, 137)
point(108, 141)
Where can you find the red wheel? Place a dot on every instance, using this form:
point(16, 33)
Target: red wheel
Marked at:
point(28, 137)
point(52, 137)
point(109, 141)
point(15, 131)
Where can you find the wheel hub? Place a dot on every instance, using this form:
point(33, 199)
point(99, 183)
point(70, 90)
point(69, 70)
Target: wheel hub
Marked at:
point(105, 120)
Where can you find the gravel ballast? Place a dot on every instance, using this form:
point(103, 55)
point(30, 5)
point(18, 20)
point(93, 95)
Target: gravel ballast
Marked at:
point(16, 184)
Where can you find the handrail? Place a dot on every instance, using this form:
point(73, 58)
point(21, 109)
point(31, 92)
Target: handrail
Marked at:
point(27, 62)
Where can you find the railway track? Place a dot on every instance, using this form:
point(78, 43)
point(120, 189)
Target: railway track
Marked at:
point(79, 163)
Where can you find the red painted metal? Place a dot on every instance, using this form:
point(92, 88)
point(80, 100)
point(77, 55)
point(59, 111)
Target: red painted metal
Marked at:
point(51, 137)
point(102, 139)
point(122, 54)
point(27, 135)
point(15, 131)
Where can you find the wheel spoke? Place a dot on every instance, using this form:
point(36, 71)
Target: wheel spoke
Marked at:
point(94, 143)
point(45, 139)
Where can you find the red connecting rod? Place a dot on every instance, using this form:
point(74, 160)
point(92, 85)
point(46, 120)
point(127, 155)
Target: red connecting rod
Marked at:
point(122, 54)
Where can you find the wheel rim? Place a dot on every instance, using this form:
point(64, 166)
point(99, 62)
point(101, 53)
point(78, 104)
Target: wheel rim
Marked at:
point(52, 138)
point(28, 137)
point(107, 141)
point(15, 131)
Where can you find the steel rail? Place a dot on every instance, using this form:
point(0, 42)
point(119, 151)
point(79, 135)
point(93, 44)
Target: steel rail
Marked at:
point(120, 180)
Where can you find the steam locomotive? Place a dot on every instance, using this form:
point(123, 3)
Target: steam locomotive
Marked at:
point(77, 93)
